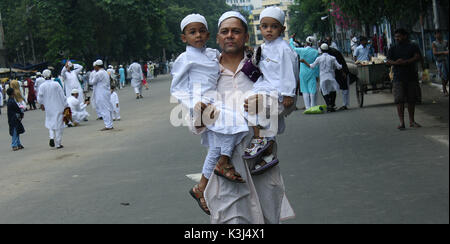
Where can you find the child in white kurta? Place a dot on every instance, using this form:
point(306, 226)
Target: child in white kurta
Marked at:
point(115, 104)
point(279, 66)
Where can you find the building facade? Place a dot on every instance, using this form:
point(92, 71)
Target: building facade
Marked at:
point(255, 20)
point(246, 5)
point(254, 9)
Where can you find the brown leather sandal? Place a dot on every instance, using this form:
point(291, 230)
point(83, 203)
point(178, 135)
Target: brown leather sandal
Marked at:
point(197, 194)
point(228, 172)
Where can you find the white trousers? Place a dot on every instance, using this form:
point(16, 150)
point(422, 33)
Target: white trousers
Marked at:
point(107, 119)
point(116, 113)
point(310, 100)
point(346, 97)
point(138, 90)
point(79, 116)
point(57, 136)
point(346, 94)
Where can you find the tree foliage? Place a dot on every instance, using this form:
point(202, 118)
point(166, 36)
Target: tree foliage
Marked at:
point(307, 15)
point(306, 18)
point(115, 30)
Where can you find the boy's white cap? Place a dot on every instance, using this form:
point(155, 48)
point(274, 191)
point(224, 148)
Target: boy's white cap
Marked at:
point(273, 12)
point(74, 91)
point(232, 14)
point(98, 63)
point(324, 47)
point(193, 18)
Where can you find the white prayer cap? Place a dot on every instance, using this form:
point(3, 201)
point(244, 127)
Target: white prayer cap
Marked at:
point(38, 73)
point(310, 39)
point(98, 63)
point(121, 66)
point(193, 18)
point(110, 66)
point(232, 14)
point(324, 47)
point(273, 12)
point(47, 73)
point(74, 91)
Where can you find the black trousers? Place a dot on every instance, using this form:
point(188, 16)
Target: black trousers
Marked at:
point(330, 99)
point(32, 105)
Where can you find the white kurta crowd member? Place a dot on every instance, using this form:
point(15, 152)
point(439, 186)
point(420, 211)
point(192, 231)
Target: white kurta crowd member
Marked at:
point(38, 83)
point(102, 89)
point(135, 70)
point(195, 75)
point(328, 64)
point(91, 78)
point(53, 102)
point(78, 109)
point(1, 97)
point(115, 104)
point(70, 74)
point(279, 66)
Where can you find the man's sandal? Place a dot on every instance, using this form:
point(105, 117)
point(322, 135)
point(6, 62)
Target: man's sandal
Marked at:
point(197, 194)
point(415, 125)
point(228, 172)
point(401, 127)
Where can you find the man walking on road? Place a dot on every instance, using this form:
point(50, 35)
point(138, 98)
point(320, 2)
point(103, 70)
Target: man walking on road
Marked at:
point(341, 78)
point(440, 52)
point(137, 76)
point(53, 102)
point(102, 87)
point(403, 56)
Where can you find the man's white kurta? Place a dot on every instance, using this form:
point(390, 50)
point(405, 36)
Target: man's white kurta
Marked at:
point(78, 109)
point(102, 90)
point(137, 76)
point(91, 78)
point(37, 84)
point(328, 64)
point(262, 198)
point(71, 81)
point(52, 97)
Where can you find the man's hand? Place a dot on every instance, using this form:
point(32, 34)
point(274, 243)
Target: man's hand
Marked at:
point(87, 102)
point(253, 104)
point(288, 101)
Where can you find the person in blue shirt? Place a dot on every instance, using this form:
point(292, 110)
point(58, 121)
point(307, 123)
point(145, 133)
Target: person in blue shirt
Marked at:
point(308, 77)
point(122, 76)
point(362, 52)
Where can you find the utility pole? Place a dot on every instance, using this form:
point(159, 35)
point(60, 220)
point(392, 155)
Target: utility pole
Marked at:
point(436, 15)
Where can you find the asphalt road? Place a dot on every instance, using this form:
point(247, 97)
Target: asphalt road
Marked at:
point(344, 167)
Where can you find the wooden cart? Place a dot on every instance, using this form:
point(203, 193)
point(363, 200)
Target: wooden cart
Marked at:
point(373, 77)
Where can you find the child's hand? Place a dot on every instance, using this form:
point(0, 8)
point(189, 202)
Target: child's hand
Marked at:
point(198, 111)
point(288, 101)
